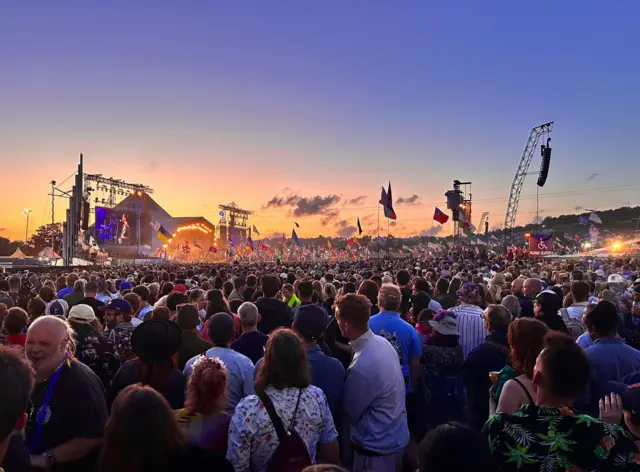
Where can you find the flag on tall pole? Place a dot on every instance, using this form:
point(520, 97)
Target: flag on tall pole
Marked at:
point(440, 216)
point(294, 236)
point(297, 225)
point(388, 209)
point(255, 230)
point(359, 227)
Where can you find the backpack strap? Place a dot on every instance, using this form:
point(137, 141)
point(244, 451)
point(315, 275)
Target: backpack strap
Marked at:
point(273, 415)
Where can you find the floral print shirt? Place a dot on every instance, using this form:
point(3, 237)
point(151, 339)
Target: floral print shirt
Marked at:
point(121, 337)
point(557, 439)
point(253, 439)
point(96, 352)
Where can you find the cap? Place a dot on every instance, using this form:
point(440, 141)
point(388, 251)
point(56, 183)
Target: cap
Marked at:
point(309, 321)
point(125, 286)
point(599, 273)
point(82, 313)
point(615, 279)
point(118, 304)
point(445, 322)
point(182, 288)
point(156, 340)
point(56, 308)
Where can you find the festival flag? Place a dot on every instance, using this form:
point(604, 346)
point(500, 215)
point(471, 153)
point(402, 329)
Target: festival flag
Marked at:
point(383, 198)
point(329, 244)
point(163, 235)
point(186, 249)
point(255, 230)
point(195, 243)
point(440, 217)
point(294, 236)
point(351, 243)
point(388, 209)
point(577, 237)
point(467, 226)
point(594, 218)
point(567, 236)
point(297, 225)
point(359, 227)
point(250, 243)
point(93, 244)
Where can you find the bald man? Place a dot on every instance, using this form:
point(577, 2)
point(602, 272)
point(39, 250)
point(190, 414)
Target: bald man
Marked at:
point(530, 289)
point(66, 423)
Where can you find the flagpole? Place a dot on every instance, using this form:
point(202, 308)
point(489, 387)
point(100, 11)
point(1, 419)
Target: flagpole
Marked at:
point(388, 247)
point(378, 232)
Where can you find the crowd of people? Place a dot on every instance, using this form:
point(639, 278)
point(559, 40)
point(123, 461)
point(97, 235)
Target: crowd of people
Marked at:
point(443, 363)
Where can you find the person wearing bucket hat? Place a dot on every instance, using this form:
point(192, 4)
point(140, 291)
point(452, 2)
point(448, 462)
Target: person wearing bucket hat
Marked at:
point(93, 349)
point(155, 344)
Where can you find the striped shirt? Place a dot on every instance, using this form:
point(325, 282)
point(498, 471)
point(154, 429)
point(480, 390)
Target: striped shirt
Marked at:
point(470, 327)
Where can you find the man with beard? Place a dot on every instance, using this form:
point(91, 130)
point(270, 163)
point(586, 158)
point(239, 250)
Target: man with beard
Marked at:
point(68, 412)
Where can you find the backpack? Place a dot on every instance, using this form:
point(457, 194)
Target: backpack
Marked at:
point(574, 325)
point(291, 454)
point(446, 398)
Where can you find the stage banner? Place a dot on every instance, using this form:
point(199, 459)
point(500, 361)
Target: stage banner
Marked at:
point(541, 244)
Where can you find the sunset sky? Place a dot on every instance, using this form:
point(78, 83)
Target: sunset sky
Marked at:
point(319, 104)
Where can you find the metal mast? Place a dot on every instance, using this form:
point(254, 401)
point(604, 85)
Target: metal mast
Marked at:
point(518, 179)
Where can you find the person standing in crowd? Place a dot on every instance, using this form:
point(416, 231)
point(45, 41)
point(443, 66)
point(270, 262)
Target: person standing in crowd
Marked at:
point(144, 294)
point(305, 292)
point(442, 295)
point(513, 305)
point(469, 317)
point(118, 327)
point(92, 348)
point(13, 326)
point(530, 289)
point(251, 342)
point(610, 358)
point(526, 339)
point(134, 301)
point(203, 418)
point(239, 286)
point(274, 313)
point(71, 279)
point(154, 344)
point(490, 356)
point(289, 296)
point(143, 436)
point(373, 401)
point(370, 289)
point(239, 367)
point(545, 309)
point(37, 308)
point(90, 293)
point(282, 388)
point(326, 372)
point(77, 294)
point(19, 300)
point(68, 414)
point(547, 434)
point(192, 344)
point(17, 379)
point(442, 384)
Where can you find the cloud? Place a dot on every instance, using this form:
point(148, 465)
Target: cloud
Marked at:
point(368, 217)
point(277, 202)
point(356, 201)
point(412, 200)
point(342, 224)
point(578, 208)
point(317, 205)
point(347, 232)
point(433, 231)
point(328, 216)
point(592, 176)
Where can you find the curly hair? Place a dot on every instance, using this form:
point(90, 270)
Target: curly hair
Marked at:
point(207, 387)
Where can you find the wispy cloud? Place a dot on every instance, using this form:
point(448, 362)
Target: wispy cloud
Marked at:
point(356, 201)
point(347, 232)
point(592, 176)
point(412, 200)
point(433, 231)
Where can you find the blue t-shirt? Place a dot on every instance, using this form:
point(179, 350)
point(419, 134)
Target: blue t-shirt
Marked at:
point(402, 336)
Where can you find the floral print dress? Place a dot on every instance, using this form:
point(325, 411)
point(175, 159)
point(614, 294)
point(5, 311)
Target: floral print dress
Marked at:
point(253, 439)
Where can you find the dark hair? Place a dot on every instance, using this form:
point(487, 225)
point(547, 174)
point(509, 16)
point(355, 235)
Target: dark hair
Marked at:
point(15, 320)
point(348, 287)
point(442, 285)
point(160, 313)
point(284, 364)
point(174, 299)
point(420, 301)
point(17, 378)
point(403, 277)
point(47, 294)
point(499, 317)
point(134, 301)
point(604, 319)
point(305, 289)
point(239, 282)
point(222, 332)
point(166, 289)
point(235, 304)
point(141, 434)
point(565, 365)
point(441, 448)
point(425, 315)
point(143, 292)
point(526, 338)
point(216, 303)
point(36, 307)
point(549, 303)
point(270, 286)
point(354, 309)
point(454, 286)
point(227, 288)
point(188, 318)
point(421, 285)
point(370, 290)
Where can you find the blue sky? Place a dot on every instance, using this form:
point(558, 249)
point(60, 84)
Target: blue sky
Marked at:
point(209, 102)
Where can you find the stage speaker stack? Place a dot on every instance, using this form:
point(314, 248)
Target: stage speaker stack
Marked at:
point(546, 162)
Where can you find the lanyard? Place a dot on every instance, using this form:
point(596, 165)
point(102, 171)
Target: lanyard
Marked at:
point(44, 411)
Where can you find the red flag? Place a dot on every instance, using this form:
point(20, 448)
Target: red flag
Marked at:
point(388, 208)
point(440, 217)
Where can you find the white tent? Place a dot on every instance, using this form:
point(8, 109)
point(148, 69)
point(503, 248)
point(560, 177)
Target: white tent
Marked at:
point(17, 254)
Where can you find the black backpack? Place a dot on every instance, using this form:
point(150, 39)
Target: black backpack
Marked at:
point(291, 455)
